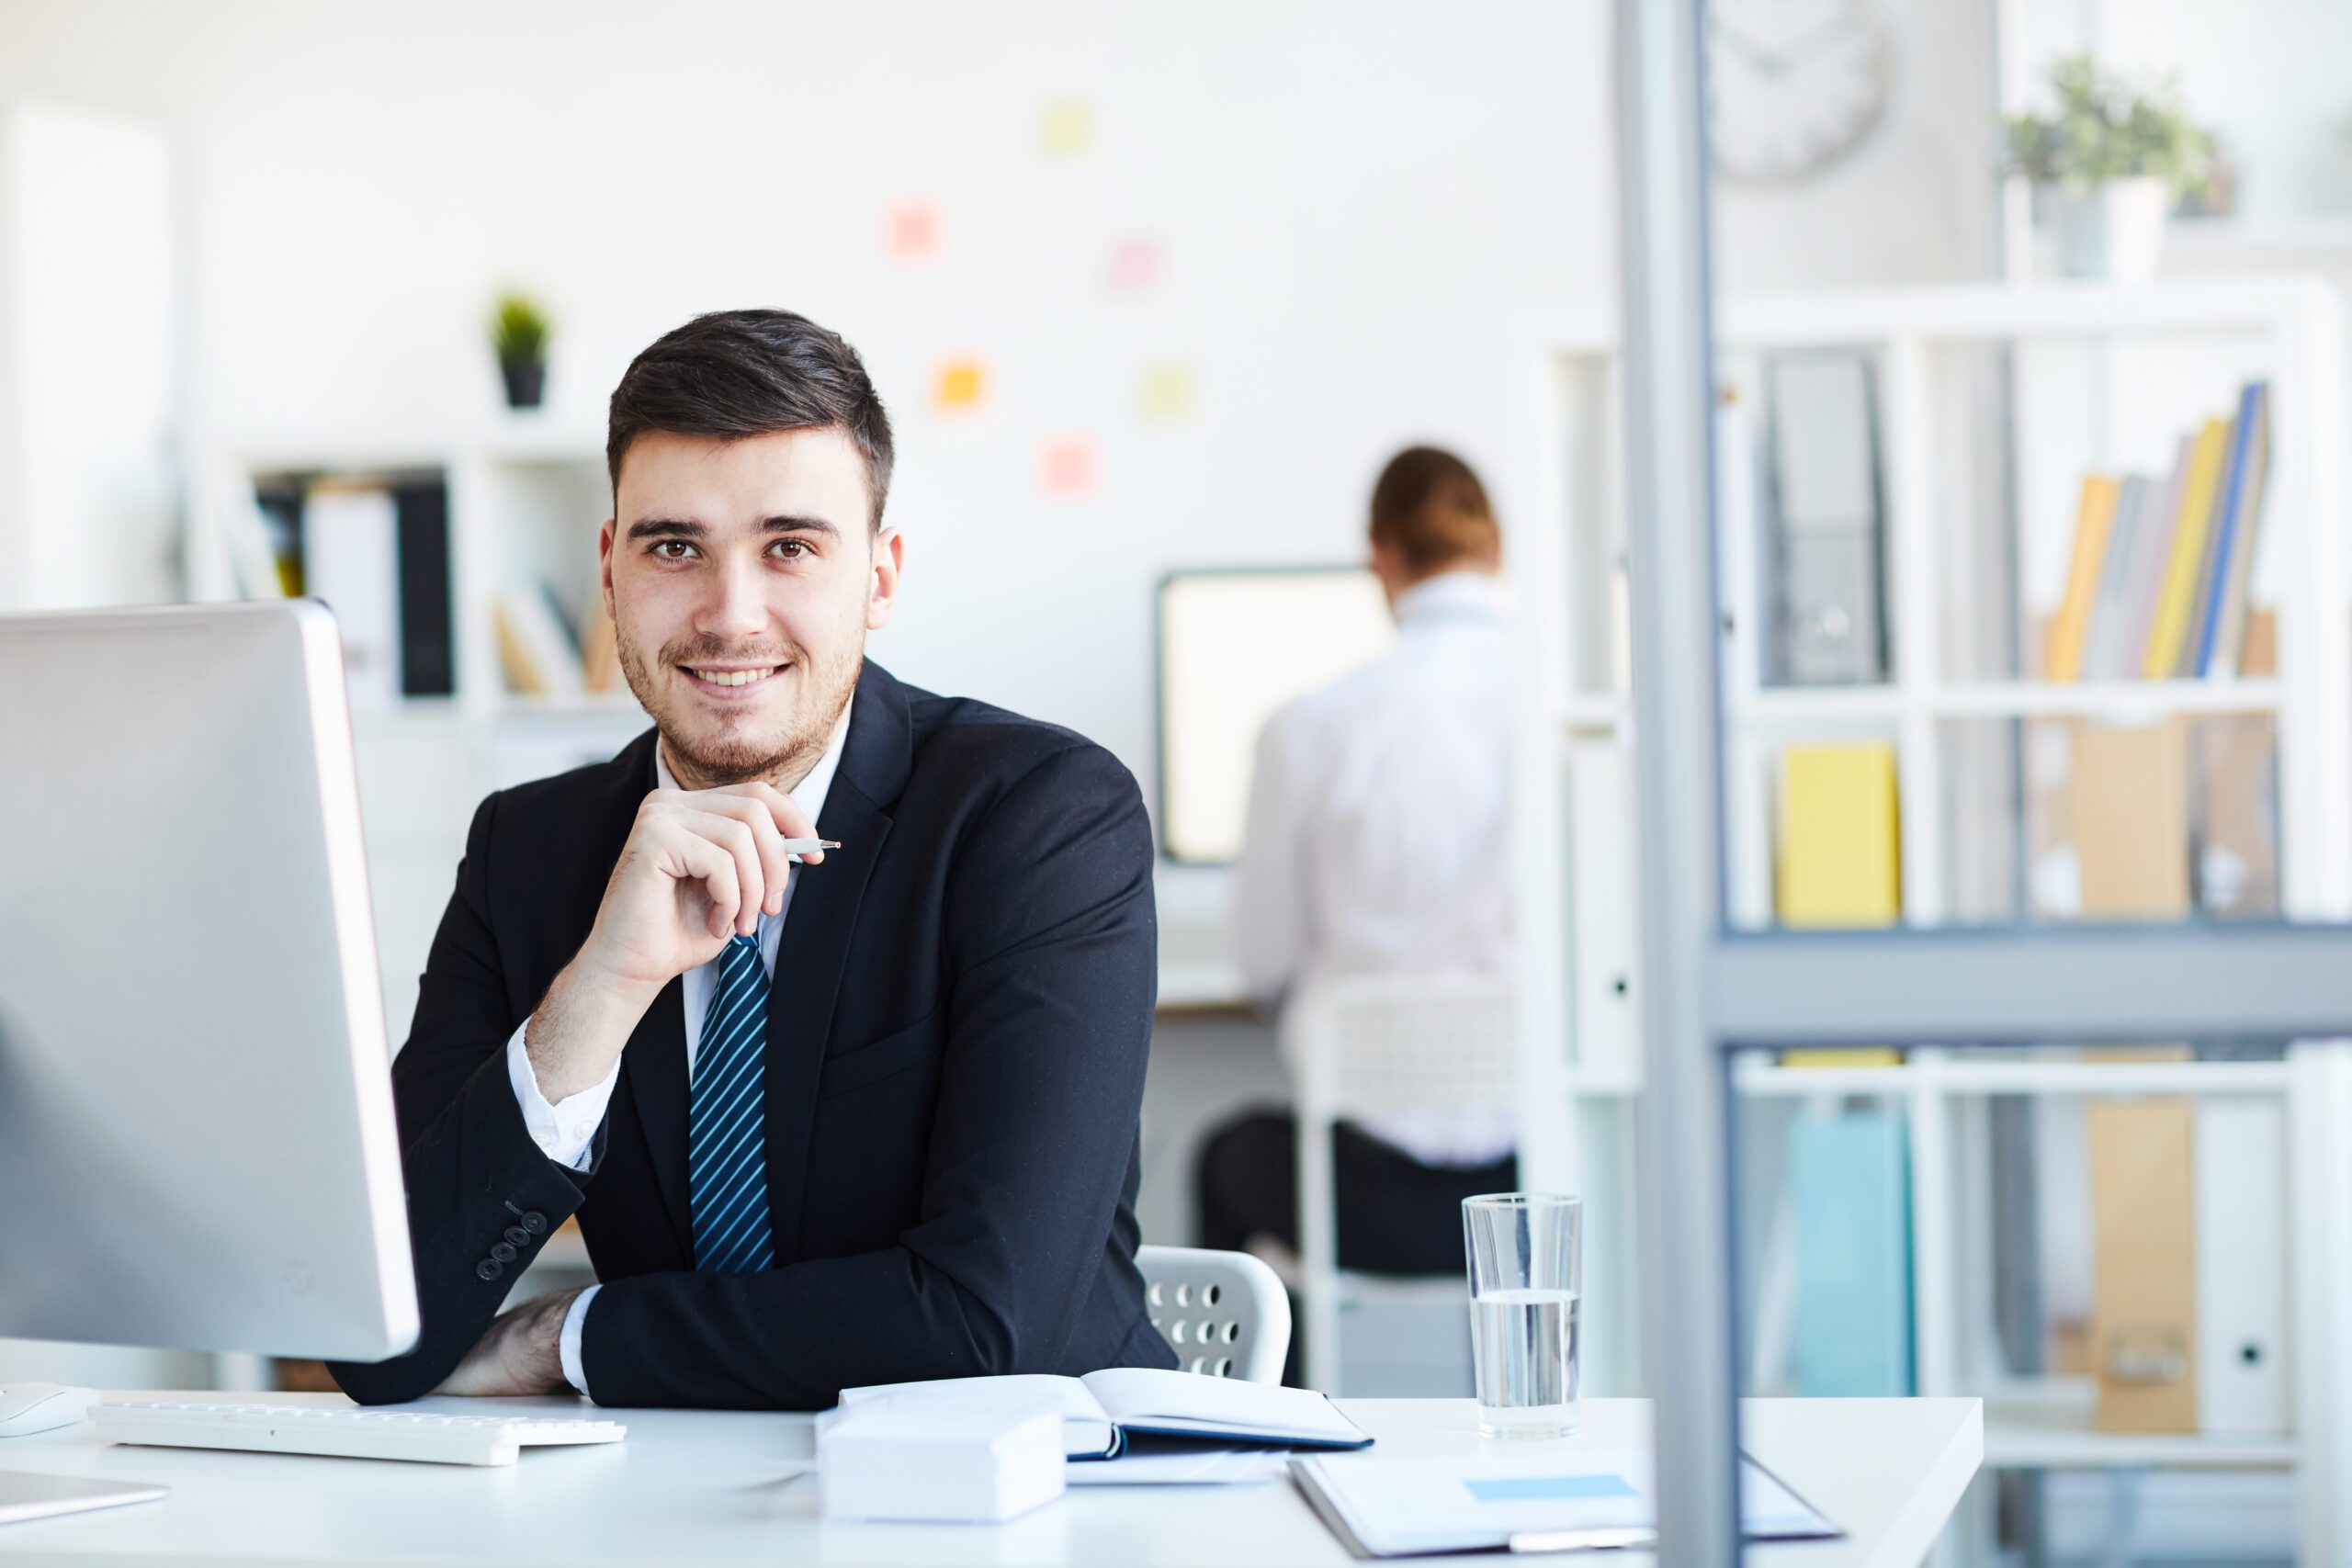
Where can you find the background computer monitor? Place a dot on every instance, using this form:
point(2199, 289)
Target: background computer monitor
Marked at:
point(197, 1141)
point(1233, 647)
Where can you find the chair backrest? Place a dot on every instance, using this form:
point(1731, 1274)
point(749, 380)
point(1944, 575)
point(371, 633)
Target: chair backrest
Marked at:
point(1226, 1312)
point(1373, 1042)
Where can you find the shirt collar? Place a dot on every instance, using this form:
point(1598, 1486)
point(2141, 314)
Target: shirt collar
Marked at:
point(809, 794)
point(1451, 596)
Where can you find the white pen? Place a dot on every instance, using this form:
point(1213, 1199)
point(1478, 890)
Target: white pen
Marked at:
point(798, 847)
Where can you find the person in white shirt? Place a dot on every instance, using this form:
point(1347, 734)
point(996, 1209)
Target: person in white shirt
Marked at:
point(1421, 735)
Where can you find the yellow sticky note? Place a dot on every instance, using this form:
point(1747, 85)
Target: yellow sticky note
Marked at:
point(1167, 391)
point(1067, 468)
point(1066, 129)
point(962, 384)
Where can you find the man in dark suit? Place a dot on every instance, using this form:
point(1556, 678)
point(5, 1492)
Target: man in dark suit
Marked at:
point(867, 1117)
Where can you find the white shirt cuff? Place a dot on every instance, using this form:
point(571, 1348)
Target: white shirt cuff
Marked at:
point(575, 1317)
point(563, 1131)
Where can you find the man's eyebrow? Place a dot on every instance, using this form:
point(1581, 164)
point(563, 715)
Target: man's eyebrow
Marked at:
point(789, 524)
point(666, 528)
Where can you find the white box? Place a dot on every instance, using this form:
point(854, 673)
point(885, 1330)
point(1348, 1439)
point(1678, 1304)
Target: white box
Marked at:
point(888, 1459)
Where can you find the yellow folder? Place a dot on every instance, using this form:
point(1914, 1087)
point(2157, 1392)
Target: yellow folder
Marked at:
point(2094, 521)
point(2176, 603)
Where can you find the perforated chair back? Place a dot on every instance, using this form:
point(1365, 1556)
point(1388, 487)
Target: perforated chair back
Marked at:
point(1383, 1043)
point(1378, 1043)
point(1226, 1312)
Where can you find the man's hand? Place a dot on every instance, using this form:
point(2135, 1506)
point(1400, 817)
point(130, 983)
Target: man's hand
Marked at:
point(699, 867)
point(519, 1353)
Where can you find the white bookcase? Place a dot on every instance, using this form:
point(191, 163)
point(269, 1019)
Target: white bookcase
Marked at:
point(527, 495)
point(1580, 1059)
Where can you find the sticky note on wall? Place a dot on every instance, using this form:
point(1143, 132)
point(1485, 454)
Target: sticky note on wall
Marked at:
point(910, 231)
point(1067, 127)
point(960, 386)
point(1067, 468)
point(1167, 391)
point(1134, 266)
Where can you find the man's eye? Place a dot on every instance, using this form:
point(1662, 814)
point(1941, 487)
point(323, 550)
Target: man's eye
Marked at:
point(793, 548)
point(662, 549)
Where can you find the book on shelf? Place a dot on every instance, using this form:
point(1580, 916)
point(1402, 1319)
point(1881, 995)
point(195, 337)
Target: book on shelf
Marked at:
point(2169, 631)
point(1850, 1191)
point(2102, 633)
point(1838, 859)
point(2143, 1262)
point(2151, 554)
point(539, 657)
point(2127, 807)
point(351, 562)
point(2094, 521)
point(2223, 621)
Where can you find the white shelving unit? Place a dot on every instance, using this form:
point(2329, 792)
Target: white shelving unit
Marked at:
point(2289, 329)
point(527, 495)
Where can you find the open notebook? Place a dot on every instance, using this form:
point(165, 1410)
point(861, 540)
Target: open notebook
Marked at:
point(1101, 1409)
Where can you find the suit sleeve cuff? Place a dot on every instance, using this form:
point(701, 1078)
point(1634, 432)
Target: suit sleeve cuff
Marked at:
point(575, 1319)
point(563, 1129)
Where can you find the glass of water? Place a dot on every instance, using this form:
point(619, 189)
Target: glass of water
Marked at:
point(1526, 1253)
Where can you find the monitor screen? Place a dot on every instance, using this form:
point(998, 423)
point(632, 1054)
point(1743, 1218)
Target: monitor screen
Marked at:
point(1234, 647)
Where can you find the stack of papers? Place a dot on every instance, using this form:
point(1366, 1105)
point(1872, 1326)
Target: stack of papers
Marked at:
point(1554, 1501)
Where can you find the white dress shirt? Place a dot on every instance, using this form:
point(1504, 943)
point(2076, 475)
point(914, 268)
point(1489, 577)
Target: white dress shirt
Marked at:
point(1378, 835)
point(564, 1130)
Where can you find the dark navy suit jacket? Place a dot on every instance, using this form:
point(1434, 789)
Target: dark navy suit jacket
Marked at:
point(955, 1070)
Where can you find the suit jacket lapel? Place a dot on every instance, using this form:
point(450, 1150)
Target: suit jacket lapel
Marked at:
point(877, 757)
point(653, 1067)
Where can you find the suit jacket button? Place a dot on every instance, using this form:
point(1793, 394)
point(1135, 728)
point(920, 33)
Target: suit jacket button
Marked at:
point(518, 1236)
point(536, 1222)
point(502, 1253)
point(489, 1268)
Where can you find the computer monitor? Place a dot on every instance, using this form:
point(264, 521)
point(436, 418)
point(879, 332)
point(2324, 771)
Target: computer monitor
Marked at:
point(197, 1141)
point(1233, 647)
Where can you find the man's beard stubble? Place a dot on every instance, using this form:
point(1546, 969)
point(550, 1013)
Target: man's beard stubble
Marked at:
point(783, 761)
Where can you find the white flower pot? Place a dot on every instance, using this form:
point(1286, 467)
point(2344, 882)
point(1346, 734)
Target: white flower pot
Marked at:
point(2116, 232)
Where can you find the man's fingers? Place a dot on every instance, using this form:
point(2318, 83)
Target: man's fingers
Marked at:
point(734, 836)
point(791, 820)
point(775, 860)
point(696, 858)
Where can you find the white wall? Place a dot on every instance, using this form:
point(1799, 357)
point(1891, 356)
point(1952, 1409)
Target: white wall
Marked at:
point(1357, 202)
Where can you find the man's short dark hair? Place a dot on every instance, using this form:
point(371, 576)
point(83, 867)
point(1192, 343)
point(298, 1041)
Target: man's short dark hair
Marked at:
point(737, 373)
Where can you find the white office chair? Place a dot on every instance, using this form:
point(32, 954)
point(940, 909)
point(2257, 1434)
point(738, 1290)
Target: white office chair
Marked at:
point(1226, 1312)
point(1373, 1044)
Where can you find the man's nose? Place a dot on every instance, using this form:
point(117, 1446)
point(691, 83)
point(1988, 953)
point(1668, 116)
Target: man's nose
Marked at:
point(736, 607)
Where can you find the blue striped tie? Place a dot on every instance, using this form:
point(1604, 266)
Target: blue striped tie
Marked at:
point(726, 1156)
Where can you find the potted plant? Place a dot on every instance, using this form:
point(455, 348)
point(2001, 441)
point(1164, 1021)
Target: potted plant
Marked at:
point(2108, 165)
point(519, 335)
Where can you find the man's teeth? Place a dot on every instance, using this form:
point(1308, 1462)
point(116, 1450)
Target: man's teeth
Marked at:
point(732, 677)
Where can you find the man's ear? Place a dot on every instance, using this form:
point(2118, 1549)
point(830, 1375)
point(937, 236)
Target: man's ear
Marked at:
point(889, 554)
point(605, 566)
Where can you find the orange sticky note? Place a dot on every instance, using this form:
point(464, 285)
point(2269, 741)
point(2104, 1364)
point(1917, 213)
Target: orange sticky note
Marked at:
point(1167, 391)
point(1134, 264)
point(910, 231)
point(1067, 468)
point(1066, 129)
point(961, 385)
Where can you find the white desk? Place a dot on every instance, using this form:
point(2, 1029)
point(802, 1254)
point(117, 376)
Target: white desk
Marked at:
point(692, 1486)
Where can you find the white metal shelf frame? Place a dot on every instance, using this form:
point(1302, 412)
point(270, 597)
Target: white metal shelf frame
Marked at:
point(1573, 497)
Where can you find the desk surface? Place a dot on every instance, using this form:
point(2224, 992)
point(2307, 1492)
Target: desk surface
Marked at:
point(724, 1487)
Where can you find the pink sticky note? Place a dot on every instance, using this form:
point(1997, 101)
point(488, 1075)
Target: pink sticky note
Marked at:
point(1134, 264)
point(1067, 468)
point(910, 231)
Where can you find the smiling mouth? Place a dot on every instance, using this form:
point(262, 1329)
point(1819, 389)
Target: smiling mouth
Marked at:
point(728, 679)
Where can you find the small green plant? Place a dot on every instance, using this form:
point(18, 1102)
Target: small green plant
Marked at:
point(2108, 128)
point(518, 330)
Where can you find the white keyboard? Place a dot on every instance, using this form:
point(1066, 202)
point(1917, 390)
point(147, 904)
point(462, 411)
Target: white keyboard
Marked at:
point(341, 1431)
